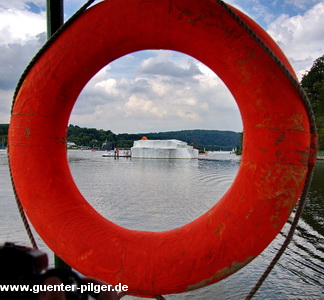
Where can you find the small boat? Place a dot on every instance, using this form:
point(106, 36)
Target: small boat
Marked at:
point(202, 152)
point(117, 153)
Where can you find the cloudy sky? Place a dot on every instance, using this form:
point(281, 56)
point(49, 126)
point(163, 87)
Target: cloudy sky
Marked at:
point(152, 91)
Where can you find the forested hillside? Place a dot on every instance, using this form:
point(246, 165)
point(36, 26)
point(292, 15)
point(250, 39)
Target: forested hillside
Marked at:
point(3, 135)
point(209, 139)
point(313, 84)
point(95, 138)
point(204, 139)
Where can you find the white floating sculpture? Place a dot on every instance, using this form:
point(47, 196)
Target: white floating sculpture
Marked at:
point(145, 148)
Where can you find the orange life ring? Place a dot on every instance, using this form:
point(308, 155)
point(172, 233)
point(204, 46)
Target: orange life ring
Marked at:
point(277, 146)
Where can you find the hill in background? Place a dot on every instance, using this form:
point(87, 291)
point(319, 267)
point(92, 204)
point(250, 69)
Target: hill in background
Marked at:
point(208, 139)
point(213, 140)
point(202, 139)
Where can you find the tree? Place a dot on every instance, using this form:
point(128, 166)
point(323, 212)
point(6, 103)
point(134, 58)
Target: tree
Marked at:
point(313, 84)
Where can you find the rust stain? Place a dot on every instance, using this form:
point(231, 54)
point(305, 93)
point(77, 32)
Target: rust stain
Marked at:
point(275, 219)
point(219, 229)
point(266, 123)
point(235, 266)
point(229, 33)
point(189, 15)
point(281, 138)
point(209, 213)
point(292, 122)
point(86, 254)
point(248, 215)
point(243, 63)
point(280, 157)
point(242, 198)
point(259, 101)
point(280, 190)
point(295, 122)
point(304, 157)
point(185, 13)
point(27, 132)
point(194, 17)
point(249, 165)
point(200, 18)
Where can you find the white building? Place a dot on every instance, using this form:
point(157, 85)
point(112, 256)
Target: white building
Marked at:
point(145, 148)
point(71, 145)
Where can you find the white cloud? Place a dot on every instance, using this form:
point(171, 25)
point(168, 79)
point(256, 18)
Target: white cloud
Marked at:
point(262, 12)
point(20, 4)
point(22, 32)
point(178, 93)
point(301, 36)
point(14, 58)
point(139, 106)
point(188, 115)
point(109, 85)
point(301, 4)
point(20, 25)
point(5, 105)
point(163, 65)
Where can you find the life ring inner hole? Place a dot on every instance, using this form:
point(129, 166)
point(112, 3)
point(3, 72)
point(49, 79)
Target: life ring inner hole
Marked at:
point(154, 86)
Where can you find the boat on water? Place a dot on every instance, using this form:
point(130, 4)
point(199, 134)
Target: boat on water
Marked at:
point(118, 153)
point(202, 153)
point(145, 148)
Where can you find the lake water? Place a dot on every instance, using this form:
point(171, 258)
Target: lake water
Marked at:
point(158, 195)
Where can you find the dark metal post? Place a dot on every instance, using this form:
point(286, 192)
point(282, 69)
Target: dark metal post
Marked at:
point(55, 19)
point(55, 16)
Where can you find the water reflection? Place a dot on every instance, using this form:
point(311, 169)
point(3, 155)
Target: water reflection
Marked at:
point(154, 195)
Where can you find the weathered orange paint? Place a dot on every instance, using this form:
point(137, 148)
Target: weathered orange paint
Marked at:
point(277, 147)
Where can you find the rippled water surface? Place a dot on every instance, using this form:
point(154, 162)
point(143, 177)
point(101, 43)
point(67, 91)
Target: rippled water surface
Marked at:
point(158, 195)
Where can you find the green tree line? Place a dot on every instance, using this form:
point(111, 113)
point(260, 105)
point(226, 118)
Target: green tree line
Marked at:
point(203, 139)
point(313, 84)
point(95, 138)
point(211, 140)
point(3, 135)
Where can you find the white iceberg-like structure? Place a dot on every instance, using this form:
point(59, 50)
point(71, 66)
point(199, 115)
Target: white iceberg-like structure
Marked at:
point(145, 148)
